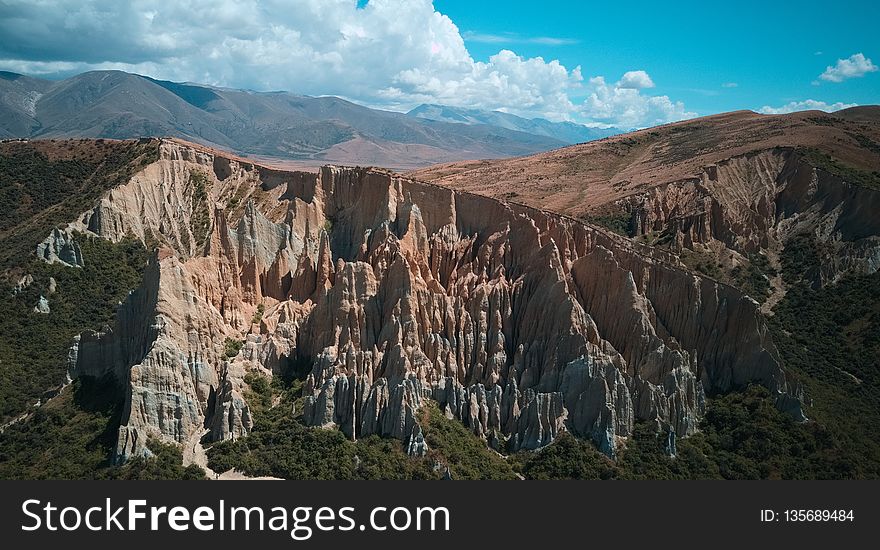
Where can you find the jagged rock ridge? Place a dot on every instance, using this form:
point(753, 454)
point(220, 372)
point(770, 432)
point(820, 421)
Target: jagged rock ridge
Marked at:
point(518, 322)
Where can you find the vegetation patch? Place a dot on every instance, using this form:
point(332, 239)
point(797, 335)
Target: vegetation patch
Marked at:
point(754, 278)
point(830, 337)
point(70, 437)
point(847, 173)
point(620, 222)
point(742, 436)
point(200, 220)
point(73, 437)
point(34, 346)
point(258, 314)
point(800, 260)
point(567, 458)
point(451, 444)
point(43, 186)
point(232, 347)
point(166, 462)
point(704, 263)
point(280, 445)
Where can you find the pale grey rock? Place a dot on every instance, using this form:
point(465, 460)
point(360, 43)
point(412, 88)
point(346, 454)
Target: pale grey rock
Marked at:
point(60, 247)
point(416, 444)
point(42, 306)
point(24, 282)
point(542, 419)
point(669, 446)
point(599, 401)
point(228, 415)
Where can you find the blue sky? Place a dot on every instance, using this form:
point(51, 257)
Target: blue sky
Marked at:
point(773, 51)
point(626, 64)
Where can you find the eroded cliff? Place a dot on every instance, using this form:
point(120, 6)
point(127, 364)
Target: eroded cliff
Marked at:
point(518, 322)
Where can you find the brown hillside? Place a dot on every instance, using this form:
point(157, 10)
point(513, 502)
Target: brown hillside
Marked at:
point(582, 178)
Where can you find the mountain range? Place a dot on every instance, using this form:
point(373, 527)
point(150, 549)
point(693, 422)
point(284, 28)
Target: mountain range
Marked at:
point(309, 131)
point(569, 132)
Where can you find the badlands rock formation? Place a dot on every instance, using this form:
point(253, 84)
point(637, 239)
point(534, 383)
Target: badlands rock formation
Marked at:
point(390, 292)
point(727, 186)
point(758, 201)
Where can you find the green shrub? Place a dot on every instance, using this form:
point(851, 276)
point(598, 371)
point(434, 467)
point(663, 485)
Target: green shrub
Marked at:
point(754, 278)
point(567, 458)
point(232, 347)
point(850, 174)
point(258, 314)
point(622, 223)
point(166, 462)
point(467, 456)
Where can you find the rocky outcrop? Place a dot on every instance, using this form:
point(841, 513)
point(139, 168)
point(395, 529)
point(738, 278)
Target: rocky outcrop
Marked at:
point(24, 282)
point(60, 247)
point(517, 322)
point(757, 202)
point(42, 306)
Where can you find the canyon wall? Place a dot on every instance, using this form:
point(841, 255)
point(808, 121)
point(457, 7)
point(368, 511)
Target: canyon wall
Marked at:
point(756, 202)
point(518, 322)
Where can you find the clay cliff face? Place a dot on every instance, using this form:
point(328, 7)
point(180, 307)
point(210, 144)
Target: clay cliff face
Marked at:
point(517, 322)
point(726, 187)
point(757, 202)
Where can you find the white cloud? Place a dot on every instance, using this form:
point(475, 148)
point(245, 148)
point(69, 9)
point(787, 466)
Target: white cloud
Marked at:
point(729, 85)
point(854, 66)
point(511, 38)
point(390, 53)
point(806, 105)
point(507, 80)
point(636, 80)
point(628, 108)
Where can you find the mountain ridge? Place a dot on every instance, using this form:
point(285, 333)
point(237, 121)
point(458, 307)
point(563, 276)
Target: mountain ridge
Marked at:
point(310, 130)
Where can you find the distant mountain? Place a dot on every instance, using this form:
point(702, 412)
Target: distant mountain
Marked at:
point(568, 132)
point(18, 98)
point(310, 130)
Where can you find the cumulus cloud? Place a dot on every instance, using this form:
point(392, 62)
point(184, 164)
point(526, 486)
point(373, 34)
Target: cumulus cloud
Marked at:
point(806, 105)
point(854, 66)
point(507, 80)
point(388, 53)
point(635, 80)
point(628, 108)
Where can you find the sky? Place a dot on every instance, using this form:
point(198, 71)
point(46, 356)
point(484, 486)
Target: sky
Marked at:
point(627, 64)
